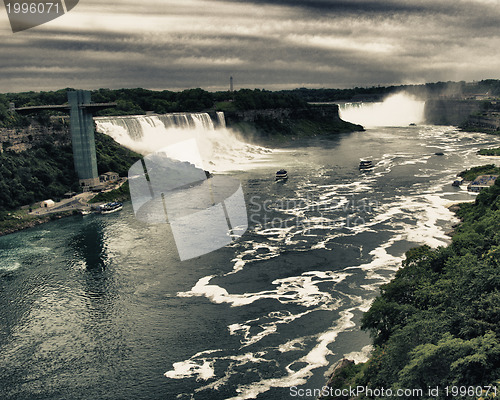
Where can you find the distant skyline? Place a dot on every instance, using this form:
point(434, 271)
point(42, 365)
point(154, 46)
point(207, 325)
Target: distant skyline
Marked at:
point(271, 44)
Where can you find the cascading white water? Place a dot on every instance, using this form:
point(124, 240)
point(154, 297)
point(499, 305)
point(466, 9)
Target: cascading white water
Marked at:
point(399, 109)
point(222, 120)
point(217, 147)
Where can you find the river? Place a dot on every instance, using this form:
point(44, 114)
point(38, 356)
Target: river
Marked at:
point(101, 307)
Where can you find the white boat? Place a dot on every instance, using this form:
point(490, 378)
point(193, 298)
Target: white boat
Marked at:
point(85, 212)
point(281, 175)
point(112, 207)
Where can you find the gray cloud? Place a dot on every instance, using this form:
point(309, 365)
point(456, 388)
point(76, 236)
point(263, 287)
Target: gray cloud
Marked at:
point(381, 6)
point(348, 6)
point(262, 43)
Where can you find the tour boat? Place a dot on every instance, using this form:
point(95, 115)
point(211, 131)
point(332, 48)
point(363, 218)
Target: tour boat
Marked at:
point(366, 164)
point(112, 207)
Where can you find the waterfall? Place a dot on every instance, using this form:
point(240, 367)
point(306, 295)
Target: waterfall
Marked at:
point(399, 109)
point(136, 125)
point(221, 118)
point(217, 147)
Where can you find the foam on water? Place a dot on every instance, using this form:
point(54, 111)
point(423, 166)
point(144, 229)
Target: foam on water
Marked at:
point(11, 258)
point(9, 265)
point(301, 290)
point(357, 356)
point(413, 214)
point(201, 366)
point(314, 359)
point(267, 325)
point(239, 262)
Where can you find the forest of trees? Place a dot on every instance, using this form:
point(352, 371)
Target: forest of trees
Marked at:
point(489, 152)
point(35, 175)
point(472, 173)
point(47, 171)
point(139, 101)
point(437, 322)
point(375, 93)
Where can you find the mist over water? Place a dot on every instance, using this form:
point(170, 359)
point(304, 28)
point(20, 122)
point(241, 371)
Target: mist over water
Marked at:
point(398, 109)
point(218, 148)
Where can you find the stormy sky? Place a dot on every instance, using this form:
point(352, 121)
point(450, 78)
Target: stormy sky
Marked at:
point(271, 44)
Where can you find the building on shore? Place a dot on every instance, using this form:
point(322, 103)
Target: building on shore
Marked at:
point(109, 177)
point(47, 203)
point(481, 182)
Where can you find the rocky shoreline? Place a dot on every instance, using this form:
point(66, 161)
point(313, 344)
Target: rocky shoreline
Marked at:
point(15, 225)
point(338, 376)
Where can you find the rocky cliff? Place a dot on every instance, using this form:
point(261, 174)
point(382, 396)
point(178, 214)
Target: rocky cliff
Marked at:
point(486, 120)
point(290, 122)
point(467, 114)
point(21, 139)
point(450, 111)
point(330, 111)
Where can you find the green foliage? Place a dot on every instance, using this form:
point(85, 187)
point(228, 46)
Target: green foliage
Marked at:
point(345, 377)
point(225, 106)
point(437, 322)
point(453, 360)
point(47, 171)
point(489, 152)
point(474, 172)
point(377, 93)
point(357, 93)
point(8, 120)
point(139, 101)
point(120, 194)
point(246, 99)
point(305, 121)
point(129, 102)
point(113, 157)
point(36, 174)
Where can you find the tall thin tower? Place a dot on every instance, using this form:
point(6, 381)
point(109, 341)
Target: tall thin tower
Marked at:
point(231, 84)
point(82, 138)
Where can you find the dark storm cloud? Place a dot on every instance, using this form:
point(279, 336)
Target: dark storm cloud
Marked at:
point(379, 6)
point(346, 6)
